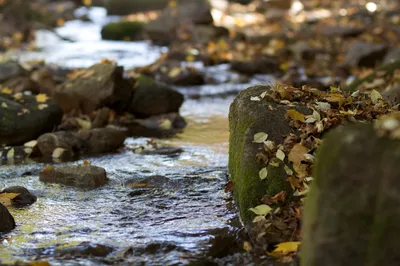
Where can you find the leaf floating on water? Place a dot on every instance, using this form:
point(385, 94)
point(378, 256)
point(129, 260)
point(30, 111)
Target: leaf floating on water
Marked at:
point(284, 249)
point(263, 173)
point(48, 168)
point(375, 96)
point(41, 98)
point(260, 137)
point(262, 209)
point(295, 115)
point(86, 162)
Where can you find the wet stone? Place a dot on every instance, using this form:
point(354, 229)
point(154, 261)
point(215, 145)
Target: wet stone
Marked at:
point(85, 249)
point(7, 222)
point(24, 198)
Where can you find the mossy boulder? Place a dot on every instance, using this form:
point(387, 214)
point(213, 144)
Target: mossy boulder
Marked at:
point(352, 211)
point(246, 118)
point(123, 30)
point(23, 118)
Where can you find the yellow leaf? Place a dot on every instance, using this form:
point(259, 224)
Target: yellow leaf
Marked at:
point(87, 2)
point(262, 209)
point(85, 162)
point(375, 96)
point(174, 72)
point(190, 58)
point(283, 249)
point(296, 116)
point(336, 98)
point(48, 168)
point(4, 105)
point(39, 263)
point(6, 90)
point(42, 106)
point(247, 246)
point(60, 22)
point(41, 98)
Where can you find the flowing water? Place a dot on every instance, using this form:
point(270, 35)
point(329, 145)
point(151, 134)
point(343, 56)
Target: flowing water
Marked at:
point(169, 225)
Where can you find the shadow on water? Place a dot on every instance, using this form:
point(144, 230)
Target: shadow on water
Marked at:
point(187, 220)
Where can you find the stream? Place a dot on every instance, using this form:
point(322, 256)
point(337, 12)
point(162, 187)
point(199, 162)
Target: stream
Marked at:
point(170, 225)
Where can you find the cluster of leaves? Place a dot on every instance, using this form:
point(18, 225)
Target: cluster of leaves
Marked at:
point(326, 110)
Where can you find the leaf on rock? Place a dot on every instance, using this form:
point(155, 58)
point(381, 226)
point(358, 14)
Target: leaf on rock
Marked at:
point(280, 155)
point(4, 105)
point(262, 209)
point(42, 106)
point(296, 154)
point(260, 137)
point(295, 115)
point(6, 90)
point(375, 96)
point(247, 246)
point(41, 98)
point(86, 162)
point(263, 173)
point(284, 249)
point(48, 168)
point(255, 99)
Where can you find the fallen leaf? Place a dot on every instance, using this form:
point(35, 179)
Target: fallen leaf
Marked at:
point(283, 249)
point(6, 198)
point(4, 105)
point(247, 246)
point(262, 209)
point(296, 154)
point(86, 162)
point(295, 115)
point(260, 137)
point(375, 96)
point(6, 90)
point(263, 173)
point(41, 98)
point(280, 155)
point(255, 99)
point(42, 106)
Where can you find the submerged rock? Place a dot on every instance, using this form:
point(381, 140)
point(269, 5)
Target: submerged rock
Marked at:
point(80, 176)
point(7, 222)
point(351, 213)
point(85, 249)
point(155, 181)
point(24, 119)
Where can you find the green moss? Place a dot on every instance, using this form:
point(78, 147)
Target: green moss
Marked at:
point(145, 80)
point(122, 30)
point(389, 69)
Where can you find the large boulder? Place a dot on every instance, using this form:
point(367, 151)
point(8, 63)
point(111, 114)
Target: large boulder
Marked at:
point(351, 213)
point(24, 118)
point(93, 88)
point(246, 119)
point(151, 98)
point(80, 176)
point(163, 28)
point(7, 222)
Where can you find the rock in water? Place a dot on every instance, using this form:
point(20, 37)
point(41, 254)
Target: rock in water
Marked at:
point(102, 140)
point(24, 198)
point(7, 222)
point(365, 54)
point(80, 176)
point(25, 118)
point(352, 213)
point(247, 118)
point(93, 88)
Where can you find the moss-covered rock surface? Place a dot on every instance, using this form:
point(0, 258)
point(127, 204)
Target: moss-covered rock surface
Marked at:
point(123, 30)
point(351, 214)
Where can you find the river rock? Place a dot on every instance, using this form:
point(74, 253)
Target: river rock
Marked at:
point(94, 88)
point(123, 30)
point(126, 7)
point(365, 54)
point(160, 126)
point(247, 118)
point(207, 33)
point(152, 98)
point(7, 222)
point(44, 78)
point(103, 140)
point(392, 56)
point(161, 30)
point(101, 118)
point(24, 198)
point(69, 141)
point(80, 176)
point(25, 119)
point(21, 84)
point(10, 69)
point(351, 213)
point(84, 249)
point(259, 65)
